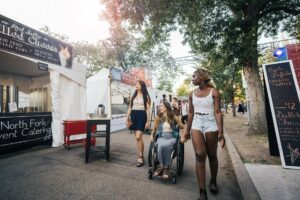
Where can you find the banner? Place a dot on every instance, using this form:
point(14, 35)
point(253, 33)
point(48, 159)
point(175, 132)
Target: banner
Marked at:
point(19, 130)
point(293, 51)
point(130, 78)
point(20, 39)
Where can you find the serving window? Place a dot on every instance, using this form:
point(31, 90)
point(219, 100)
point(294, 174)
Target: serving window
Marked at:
point(32, 95)
point(23, 86)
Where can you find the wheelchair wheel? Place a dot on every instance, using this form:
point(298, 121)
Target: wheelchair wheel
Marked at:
point(150, 175)
point(174, 179)
point(180, 158)
point(150, 155)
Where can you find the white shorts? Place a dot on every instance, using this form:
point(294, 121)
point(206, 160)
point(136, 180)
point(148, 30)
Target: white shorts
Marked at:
point(205, 123)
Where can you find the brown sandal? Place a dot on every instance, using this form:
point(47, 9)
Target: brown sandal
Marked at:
point(159, 171)
point(140, 161)
point(166, 173)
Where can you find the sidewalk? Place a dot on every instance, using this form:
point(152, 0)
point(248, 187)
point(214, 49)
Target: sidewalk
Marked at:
point(257, 180)
point(275, 182)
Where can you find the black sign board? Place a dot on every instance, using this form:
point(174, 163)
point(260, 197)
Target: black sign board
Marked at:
point(21, 130)
point(283, 93)
point(20, 39)
point(42, 66)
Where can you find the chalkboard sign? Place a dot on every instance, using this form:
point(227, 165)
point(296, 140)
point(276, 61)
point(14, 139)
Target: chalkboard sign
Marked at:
point(283, 93)
point(19, 130)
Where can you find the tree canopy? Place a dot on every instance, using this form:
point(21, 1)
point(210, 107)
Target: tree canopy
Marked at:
point(231, 27)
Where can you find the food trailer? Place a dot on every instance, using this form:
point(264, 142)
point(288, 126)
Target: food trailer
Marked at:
point(40, 87)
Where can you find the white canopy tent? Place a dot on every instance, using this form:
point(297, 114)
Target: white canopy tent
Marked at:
point(111, 94)
point(98, 90)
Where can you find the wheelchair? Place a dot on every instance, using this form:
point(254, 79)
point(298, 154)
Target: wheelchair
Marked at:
point(177, 160)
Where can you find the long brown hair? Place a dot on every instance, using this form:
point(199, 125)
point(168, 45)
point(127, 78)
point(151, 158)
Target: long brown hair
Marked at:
point(145, 93)
point(170, 114)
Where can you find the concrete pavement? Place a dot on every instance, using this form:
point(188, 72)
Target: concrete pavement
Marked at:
point(275, 182)
point(264, 182)
point(56, 173)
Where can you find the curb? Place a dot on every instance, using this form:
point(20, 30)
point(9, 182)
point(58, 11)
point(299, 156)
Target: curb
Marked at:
point(245, 182)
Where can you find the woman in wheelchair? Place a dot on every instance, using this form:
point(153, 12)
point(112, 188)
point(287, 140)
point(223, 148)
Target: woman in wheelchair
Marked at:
point(166, 131)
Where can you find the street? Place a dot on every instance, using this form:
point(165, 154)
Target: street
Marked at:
point(57, 173)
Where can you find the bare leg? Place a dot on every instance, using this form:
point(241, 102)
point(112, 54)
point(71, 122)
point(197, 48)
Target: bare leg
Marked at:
point(139, 143)
point(200, 153)
point(211, 147)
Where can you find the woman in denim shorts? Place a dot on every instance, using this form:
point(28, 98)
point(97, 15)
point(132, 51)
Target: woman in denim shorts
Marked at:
point(205, 123)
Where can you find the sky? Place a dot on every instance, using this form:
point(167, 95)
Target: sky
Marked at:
point(79, 20)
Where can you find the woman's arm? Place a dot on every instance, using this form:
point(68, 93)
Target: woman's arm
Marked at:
point(148, 106)
point(128, 124)
point(190, 113)
point(153, 133)
point(128, 111)
point(179, 122)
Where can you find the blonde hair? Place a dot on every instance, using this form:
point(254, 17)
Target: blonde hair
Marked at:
point(204, 75)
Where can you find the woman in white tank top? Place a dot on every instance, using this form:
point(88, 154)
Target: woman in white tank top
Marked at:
point(205, 123)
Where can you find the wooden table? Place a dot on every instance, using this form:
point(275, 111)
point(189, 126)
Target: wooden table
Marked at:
point(90, 123)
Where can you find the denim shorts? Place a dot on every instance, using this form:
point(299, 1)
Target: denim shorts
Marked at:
point(204, 123)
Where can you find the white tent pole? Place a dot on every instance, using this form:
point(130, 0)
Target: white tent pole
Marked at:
point(109, 85)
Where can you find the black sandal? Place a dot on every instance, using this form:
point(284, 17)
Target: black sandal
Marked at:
point(203, 194)
point(140, 163)
point(213, 187)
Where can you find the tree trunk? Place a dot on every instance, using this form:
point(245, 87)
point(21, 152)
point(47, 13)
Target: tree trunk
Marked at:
point(233, 104)
point(233, 109)
point(257, 110)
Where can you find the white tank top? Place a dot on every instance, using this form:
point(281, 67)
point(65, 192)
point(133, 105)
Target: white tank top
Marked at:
point(166, 126)
point(138, 103)
point(203, 105)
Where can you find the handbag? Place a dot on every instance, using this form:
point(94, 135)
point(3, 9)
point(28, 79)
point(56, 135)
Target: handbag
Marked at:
point(129, 122)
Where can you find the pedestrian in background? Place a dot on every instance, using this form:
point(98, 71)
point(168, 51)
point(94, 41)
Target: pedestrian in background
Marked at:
point(205, 122)
point(164, 98)
point(184, 110)
point(241, 107)
point(175, 106)
point(138, 117)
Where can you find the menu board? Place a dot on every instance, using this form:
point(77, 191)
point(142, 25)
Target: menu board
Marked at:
point(283, 93)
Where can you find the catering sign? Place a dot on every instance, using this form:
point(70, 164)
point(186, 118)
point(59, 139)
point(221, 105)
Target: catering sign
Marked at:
point(20, 39)
point(20, 130)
